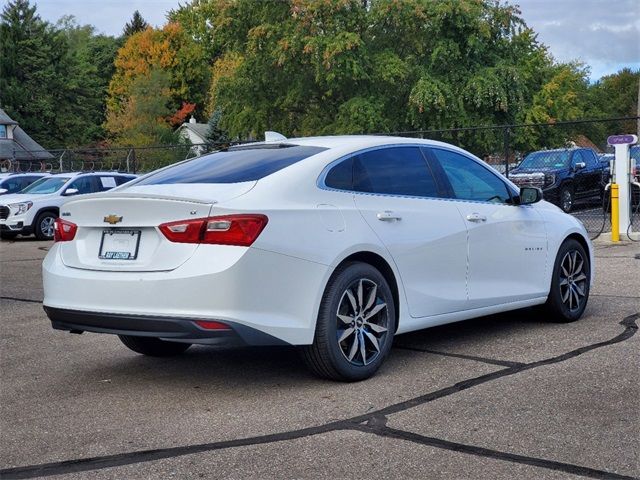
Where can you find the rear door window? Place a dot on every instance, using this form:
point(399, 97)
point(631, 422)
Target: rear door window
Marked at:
point(240, 164)
point(106, 183)
point(394, 171)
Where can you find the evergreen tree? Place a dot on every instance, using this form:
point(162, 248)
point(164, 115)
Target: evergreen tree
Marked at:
point(137, 24)
point(30, 53)
point(215, 134)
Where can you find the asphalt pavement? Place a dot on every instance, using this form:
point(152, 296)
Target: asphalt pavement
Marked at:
point(500, 397)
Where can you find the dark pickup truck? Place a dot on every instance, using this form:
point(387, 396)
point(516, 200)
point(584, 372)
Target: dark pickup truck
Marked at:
point(564, 175)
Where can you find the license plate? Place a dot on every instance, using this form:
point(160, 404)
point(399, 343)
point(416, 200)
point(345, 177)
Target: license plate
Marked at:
point(119, 244)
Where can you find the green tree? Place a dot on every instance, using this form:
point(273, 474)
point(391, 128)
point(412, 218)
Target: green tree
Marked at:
point(143, 120)
point(344, 66)
point(31, 57)
point(135, 25)
point(215, 134)
point(53, 78)
point(170, 50)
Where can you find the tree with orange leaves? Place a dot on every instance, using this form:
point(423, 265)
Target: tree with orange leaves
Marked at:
point(171, 51)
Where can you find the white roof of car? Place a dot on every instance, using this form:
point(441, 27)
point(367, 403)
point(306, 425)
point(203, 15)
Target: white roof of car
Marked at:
point(74, 174)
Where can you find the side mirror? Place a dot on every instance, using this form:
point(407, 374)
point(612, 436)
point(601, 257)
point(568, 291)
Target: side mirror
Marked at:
point(529, 195)
point(70, 191)
point(3, 191)
point(579, 166)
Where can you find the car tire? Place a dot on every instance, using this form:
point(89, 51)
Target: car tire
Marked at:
point(153, 347)
point(355, 326)
point(566, 199)
point(8, 235)
point(570, 283)
point(43, 226)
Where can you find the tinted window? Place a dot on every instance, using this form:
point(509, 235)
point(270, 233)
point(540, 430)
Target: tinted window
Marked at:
point(470, 180)
point(106, 183)
point(234, 165)
point(341, 176)
point(83, 185)
point(124, 179)
point(396, 171)
point(14, 184)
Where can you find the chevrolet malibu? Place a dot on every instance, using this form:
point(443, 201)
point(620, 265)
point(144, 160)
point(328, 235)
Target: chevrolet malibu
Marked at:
point(334, 244)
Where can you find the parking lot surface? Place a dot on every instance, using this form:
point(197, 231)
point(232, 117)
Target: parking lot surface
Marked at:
point(501, 397)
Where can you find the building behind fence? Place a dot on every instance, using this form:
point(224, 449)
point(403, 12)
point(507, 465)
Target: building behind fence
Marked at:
point(503, 147)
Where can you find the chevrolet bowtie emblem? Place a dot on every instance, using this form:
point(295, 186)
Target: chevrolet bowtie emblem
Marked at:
point(113, 219)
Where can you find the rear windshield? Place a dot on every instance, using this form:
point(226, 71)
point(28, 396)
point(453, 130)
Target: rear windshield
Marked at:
point(233, 166)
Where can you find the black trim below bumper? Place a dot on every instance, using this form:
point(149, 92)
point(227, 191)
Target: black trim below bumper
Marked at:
point(166, 328)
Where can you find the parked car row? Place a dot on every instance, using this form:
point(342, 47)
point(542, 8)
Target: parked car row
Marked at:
point(34, 209)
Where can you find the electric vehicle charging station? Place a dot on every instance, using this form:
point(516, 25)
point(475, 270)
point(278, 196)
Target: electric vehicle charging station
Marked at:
point(621, 180)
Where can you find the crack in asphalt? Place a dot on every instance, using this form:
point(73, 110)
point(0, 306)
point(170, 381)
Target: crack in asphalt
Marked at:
point(388, 432)
point(22, 260)
point(18, 299)
point(373, 422)
point(612, 296)
point(490, 361)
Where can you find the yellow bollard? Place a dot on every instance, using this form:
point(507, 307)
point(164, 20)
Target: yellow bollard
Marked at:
point(615, 214)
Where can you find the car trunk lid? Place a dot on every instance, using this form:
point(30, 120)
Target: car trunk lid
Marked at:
point(118, 231)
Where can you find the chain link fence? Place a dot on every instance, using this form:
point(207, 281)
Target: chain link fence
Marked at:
point(568, 160)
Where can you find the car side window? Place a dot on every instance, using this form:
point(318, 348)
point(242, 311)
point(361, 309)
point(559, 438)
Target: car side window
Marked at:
point(106, 183)
point(341, 175)
point(394, 171)
point(577, 158)
point(470, 180)
point(123, 179)
point(83, 185)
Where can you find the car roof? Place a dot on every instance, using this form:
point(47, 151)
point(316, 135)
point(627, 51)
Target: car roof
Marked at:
point(17, 174)
point(75, 174)
point(353, 142)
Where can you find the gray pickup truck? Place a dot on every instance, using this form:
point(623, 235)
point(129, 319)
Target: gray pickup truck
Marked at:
point(564, 175)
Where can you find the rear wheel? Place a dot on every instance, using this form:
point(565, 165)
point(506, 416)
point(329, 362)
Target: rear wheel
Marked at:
point(44, 225)
point(154, 347)
point(570, 283)
point(355, 326)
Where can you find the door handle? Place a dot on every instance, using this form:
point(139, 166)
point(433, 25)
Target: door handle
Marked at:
point(388, 216)
point(476, 217)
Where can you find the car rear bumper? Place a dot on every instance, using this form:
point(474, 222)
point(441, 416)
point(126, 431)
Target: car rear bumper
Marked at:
point(269, 292)
point(165, 328)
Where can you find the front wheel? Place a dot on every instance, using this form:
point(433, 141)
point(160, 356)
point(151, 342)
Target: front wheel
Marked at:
point(153, 347)
point(570, 283)
point(566, 199)
point(355, 325)
point(44, 225)
point(8, 235)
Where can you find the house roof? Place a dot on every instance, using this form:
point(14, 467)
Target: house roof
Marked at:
point(200, 129)
point(6, 119)
point(21, 146)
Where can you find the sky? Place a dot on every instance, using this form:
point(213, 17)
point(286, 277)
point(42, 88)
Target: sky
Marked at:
point(604, 34)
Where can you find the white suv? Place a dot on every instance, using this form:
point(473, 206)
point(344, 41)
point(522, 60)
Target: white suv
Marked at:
point(35, 208)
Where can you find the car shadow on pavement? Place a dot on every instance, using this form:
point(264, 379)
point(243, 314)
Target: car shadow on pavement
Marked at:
point(269, 365)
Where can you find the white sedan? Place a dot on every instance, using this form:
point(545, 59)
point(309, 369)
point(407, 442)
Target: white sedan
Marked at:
point(335, 244)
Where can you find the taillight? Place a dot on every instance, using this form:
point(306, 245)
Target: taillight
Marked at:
point(64, 231)
point(241, 230)
point(212, 325)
